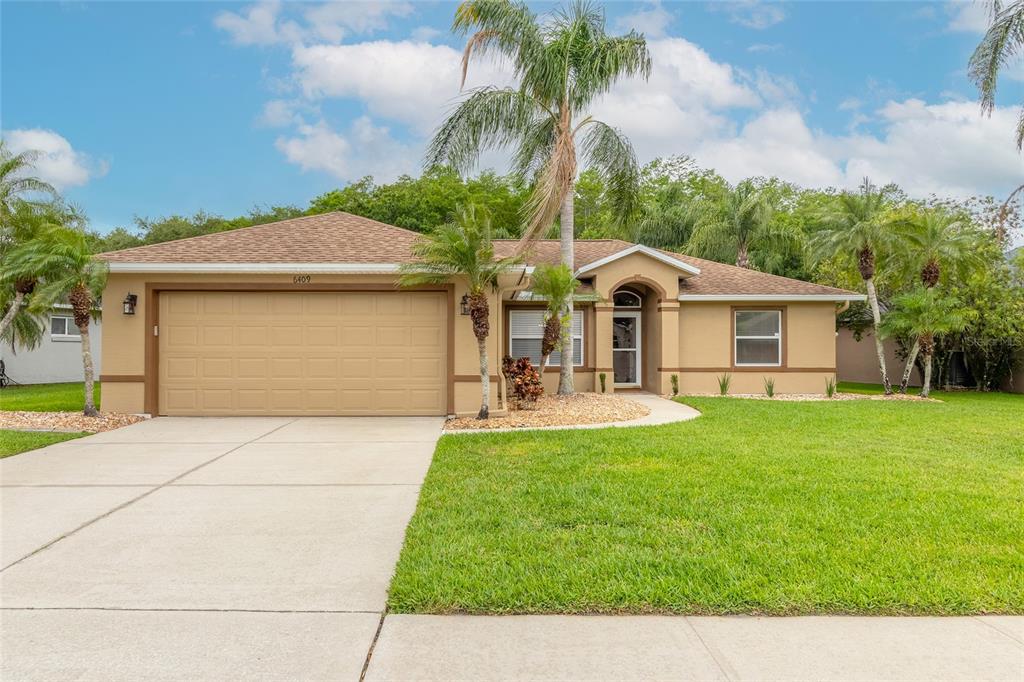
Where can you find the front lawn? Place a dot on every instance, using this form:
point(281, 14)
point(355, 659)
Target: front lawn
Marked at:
point(755, 507)
point(15, 442)
point(46, 398)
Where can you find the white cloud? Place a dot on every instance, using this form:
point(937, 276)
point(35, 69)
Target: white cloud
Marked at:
point(364, 149)
point(58, 162)
point(263, 23)
point(331, 21)
point(765, 47)
point(258, 24)
point(651, 21)
point(967, 17)
point(946, 149)
point(776, 142)
point(410, 82)
point(424, 34)
point(850, 104)
point(752, 13)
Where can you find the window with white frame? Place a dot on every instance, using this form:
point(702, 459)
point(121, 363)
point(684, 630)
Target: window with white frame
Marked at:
point(63, 327)
point(758, 338)
point(526, 331)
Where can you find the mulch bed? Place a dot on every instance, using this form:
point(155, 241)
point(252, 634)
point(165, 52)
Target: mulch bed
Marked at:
point(70, 422)
point(557, 410)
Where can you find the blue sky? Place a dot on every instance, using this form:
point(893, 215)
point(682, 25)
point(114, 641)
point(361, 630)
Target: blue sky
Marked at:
point(153, 108)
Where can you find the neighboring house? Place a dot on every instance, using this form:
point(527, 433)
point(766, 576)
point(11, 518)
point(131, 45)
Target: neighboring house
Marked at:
point(303, 316)
point(858, 360)
point(58, 357)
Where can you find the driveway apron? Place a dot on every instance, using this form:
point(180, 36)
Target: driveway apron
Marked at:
point(206, 547)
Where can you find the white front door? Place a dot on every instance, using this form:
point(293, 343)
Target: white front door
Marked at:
point(626, 348)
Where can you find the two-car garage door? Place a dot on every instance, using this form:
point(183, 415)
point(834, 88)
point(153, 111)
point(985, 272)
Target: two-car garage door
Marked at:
point(308, 353)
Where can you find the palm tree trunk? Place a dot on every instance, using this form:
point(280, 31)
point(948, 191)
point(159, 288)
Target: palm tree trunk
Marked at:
point(742, 257)
point(90, 405)
point(485, 380)
point(19, 298)
point(927, 388)
point(566, 236)
point(910, 365)
point(876, 317)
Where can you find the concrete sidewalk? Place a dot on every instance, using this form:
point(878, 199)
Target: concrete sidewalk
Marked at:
point(697, 648)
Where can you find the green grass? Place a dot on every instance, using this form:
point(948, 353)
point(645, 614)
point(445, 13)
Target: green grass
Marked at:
point(15, 442)
point(46, 398)
point(755, 507)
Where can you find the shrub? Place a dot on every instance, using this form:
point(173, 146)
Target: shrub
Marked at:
point(675, 384)
point(524, 384)
point(830, 387)
point(769, 386)
point(602, 376)
point(723, 383)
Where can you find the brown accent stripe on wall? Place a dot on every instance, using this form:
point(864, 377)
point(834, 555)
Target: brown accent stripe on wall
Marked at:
point(122, 378)
point(466, 378)
point(763, 370)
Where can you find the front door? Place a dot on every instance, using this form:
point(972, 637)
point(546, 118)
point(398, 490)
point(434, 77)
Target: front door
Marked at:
point(626, 348)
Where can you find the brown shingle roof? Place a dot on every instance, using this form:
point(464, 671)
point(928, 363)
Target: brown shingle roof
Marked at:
point(345, 238)
point(326, 238)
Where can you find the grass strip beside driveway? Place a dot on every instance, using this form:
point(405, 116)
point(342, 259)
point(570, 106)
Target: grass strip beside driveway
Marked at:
point(862, 507)
point(16, 442)
point(46, 398)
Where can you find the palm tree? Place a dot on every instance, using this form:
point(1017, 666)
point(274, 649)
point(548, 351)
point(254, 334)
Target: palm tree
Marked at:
point(857, 226)
point(563, 64)
point(463, 249)
point(924, 314)
point(28, 227)
point(742, 222)
point(555, 284)
point(15, 180)
point(936, 242)
point(1002, 43)
point(72, 272)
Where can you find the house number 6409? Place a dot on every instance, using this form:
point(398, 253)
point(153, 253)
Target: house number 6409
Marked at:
point(301, 279)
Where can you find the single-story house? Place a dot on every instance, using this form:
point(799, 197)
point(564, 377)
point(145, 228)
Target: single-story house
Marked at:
point(304, 317)
point(58, 357)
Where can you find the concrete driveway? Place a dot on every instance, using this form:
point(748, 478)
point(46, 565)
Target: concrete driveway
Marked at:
point(206, 548)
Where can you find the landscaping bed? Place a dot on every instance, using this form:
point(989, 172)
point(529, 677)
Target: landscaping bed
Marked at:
point(65, 422)
point(557, 410)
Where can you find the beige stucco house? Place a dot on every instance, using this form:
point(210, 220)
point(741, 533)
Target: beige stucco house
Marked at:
point(303, 317)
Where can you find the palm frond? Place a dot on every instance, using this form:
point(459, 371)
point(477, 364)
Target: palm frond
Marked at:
point(610, 152)
point(489, 117)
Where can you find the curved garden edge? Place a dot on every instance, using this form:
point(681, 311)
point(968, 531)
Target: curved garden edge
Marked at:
point(660, 411)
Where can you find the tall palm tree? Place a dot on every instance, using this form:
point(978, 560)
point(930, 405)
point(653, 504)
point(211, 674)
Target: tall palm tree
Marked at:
point(73, 273)
point(1002, 43)
point(562, 64)
point(742, 222)
point(555, 284)
point(924, 314)
point(858, 226)
point(937, 242)
point(16, 181)
point(463, 249)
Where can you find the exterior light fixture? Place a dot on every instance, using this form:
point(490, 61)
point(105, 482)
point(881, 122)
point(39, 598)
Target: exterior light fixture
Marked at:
point(464, 304)
point(129, 303)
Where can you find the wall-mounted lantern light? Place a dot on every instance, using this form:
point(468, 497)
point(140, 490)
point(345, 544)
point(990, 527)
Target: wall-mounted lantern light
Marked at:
point(129, 303)
point(464, 303)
